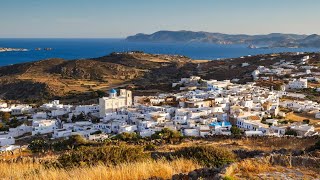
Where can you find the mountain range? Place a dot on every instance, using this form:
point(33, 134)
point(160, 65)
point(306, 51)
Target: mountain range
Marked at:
point(269, 40)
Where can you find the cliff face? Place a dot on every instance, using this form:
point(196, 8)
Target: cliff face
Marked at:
point(271, 40)
point(58, 78)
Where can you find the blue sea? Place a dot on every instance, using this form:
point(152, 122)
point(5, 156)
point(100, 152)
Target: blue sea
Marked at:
point(89, 48)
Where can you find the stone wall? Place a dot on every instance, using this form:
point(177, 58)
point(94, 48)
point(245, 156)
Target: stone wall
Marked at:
point(207, 173)
point(294, 161)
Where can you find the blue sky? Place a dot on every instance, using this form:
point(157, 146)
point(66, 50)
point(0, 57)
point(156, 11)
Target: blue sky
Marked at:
point(119, 18)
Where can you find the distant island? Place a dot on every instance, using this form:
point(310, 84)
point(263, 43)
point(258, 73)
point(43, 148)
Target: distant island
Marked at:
point(2, 49)
point(272, 40)
point(12, 49)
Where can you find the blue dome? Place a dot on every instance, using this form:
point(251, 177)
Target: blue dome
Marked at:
point(113, 91)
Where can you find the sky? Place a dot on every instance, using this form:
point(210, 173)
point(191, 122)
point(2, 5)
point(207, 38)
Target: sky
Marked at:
point(120, 18)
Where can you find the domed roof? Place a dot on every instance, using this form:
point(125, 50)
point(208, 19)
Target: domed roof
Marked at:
point(113, 91)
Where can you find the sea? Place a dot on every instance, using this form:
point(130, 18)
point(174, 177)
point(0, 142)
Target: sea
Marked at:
point(90, 48)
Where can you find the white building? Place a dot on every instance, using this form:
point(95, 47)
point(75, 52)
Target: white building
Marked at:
point(87, 109)
point(3, 105)
point(4, 141)
point(43, 126)
point(114, 103)
point(127, 128)
point(147, 132)
point(221, 128)
point(20, 109)
point(20, 130)
point(191, 132)
point(298, 84)
point(60, 133)
point(304, 130)
point(39, 115)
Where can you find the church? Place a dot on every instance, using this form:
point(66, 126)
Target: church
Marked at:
point(114, 102)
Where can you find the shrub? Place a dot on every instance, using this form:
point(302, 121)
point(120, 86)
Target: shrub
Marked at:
point(291, 132)
point(72, 142)
point(150, 147)
point(14, 123)
point(316, 146)
point(5, 117)
point(306, 121)
point(167, 134)
point(127, 136)
point(206, 155)
point(235, 130)
point(38, 145)
point(3, 127)
point(109, 155)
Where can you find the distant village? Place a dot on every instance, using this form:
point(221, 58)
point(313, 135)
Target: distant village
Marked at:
point(199, 108)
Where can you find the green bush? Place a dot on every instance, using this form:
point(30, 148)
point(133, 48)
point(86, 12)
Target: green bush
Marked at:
point(291, 132)
point(306, 121)
point(3, 127)
point(127, 137)
point(72, 142)
point(206, 155)
point(167, 134)
point(109, 155)
point(235, 130)
point(38, 145)
point(150, 147)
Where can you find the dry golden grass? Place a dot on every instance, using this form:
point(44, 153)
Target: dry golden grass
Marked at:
point(249, 166)
point(254, 169)
point(263, 144)
point(130, 171)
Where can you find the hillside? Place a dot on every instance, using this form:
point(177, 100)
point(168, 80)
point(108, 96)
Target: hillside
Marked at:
point(145, 73)
point(218, 157)
point(269, 40)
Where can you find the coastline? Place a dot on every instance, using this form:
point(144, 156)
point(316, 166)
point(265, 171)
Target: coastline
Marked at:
point(13, 50)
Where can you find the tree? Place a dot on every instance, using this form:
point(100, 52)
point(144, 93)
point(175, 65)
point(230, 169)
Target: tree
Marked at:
point(167, 134)
point(81, 117)
point(6, 117)
point(128, 136)
point(100, 93)
point(3, 127)
point(73, 118)
point(235, 130)
point(38, 145)
point(291, 132)
point(14, 123)
point(306, 121)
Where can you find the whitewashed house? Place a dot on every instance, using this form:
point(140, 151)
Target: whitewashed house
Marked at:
point(7, 140)
point(20, 130)
point(127, 129)
point(61, 133)
point(87, 109)
point(191, 132)
point(298, 84)
point(43, 126)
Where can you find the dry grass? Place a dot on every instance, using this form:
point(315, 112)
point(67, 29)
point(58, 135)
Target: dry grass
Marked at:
point(130, 171)
point(254, 169)
point(249, 166)
point(263, 144)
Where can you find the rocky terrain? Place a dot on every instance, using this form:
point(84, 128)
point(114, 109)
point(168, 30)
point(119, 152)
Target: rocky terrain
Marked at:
point(144, 73)
point(269, 40)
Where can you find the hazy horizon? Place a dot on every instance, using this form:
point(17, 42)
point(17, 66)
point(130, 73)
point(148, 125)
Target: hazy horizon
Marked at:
point(119, 19)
